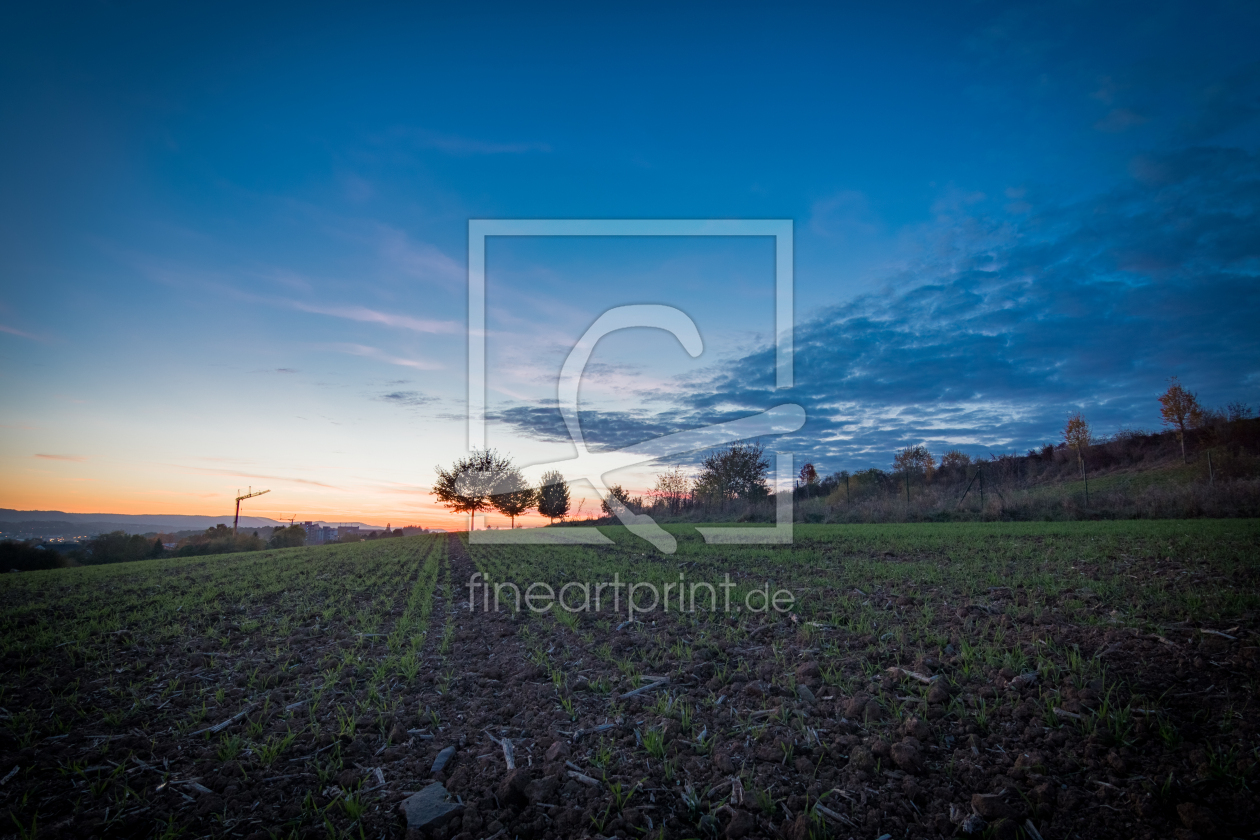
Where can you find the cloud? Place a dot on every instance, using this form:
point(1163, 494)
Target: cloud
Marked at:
point(238, 474)
point(1087, 306)
point(453, 144)
point(61, 457)
point(376, 353)
point(417, 259)
point(19, 333)
point(1227, 105)
point(410, 399)
point(1119, 119)
point(845, 215)
point(372, 316)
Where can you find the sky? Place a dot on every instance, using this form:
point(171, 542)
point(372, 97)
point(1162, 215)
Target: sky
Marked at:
point(234, 240)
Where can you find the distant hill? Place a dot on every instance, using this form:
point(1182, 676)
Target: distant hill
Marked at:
point(56, 522)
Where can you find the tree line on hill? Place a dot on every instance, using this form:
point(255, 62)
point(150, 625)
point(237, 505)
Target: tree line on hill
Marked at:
point(732, 482)
point(122, 547)
point(489, 480)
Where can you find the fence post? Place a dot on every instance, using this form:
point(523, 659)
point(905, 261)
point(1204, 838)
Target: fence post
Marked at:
point(1211, 473)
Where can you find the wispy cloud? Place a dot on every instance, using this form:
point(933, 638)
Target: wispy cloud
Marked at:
point(1090, 305)
point(238, 474)
point(453, 144)
point(60, 457)
point(372, 316)
point(417, 259)
point(19, 333)
point(410, 399)
point(377, 353)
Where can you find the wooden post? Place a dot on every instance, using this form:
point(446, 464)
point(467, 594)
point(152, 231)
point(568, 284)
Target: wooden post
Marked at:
point(980, 469)
point(1211, 474)
point(907, 491)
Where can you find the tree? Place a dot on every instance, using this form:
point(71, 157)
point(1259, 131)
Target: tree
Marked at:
point(290, 536)
point(158, 548)
point(619, 493)
point(672, 488)
point(553, 496)
point(955, 458)
point(915, 460)
point(1180, 409)
point(737, 472)
point(1076, 434)
point(512, 495)
point(470, 482)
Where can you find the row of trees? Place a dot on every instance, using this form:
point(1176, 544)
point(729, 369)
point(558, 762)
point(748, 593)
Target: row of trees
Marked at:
point(488, 480)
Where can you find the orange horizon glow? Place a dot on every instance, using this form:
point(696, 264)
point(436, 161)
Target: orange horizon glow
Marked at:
point(437, 518)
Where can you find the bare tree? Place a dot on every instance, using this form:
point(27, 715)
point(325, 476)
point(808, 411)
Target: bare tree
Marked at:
point(672, 488)
point(1180, 409)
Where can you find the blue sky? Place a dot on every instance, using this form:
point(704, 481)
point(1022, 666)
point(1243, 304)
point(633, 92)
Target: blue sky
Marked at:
point(233, 241)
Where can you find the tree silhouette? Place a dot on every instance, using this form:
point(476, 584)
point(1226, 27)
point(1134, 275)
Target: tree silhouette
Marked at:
point(672, 488)
point(737, 472)
point(553, 496)
point(916, 460)
point(1180, 409)
point(619, 493)
point(470, 482)
point(512, 496)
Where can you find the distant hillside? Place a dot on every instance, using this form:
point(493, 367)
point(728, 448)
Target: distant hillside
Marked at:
point(60, 523)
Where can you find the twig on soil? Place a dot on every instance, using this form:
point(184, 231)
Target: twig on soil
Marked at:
point(833, 815)
point(914, 675)
point(583, 778)
point(1066, 713)
point(508, 755)
point(646, 688)
point(1032, 830)
point(10, 774)
point(603, 727)
point(1218, 633)
point(420, 733)
point(219, 727)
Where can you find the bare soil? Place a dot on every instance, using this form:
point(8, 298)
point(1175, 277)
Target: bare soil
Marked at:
point(1001, 753)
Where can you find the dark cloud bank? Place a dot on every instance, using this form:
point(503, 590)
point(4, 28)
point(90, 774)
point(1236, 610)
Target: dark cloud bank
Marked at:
point(1090, 306)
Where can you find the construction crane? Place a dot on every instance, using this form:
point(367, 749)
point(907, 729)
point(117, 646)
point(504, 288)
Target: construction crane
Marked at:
point(251, 494)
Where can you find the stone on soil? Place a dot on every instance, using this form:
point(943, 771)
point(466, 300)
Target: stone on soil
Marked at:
point(429, 808)
point(440, 762)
